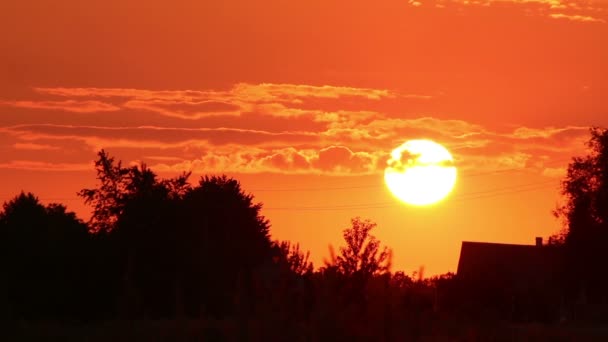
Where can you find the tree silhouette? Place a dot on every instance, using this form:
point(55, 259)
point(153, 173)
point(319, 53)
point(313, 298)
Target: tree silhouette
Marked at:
point(348, 284)
point(178, 248)
point(585, 214)
point(43, 259)
point(134, 216)
point(109, 197)
point(162, 248)
point(147, 236)
point(362, 253)
point(586, 190)
point(225, 238)
point(295, 259)
point(120, 186)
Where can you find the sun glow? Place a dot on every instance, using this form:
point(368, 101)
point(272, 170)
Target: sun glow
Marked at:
point(420, 172)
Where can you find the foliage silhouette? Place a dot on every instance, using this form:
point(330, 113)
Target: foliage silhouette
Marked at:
point(586, 191)
point(118, 186)
point(133, 214)
point(295, 259)
point(43, 259)
point(349, 279)
point(180, 249)
point(223, 238)
point(585, 217)
point(360, 255)
point(165, 249)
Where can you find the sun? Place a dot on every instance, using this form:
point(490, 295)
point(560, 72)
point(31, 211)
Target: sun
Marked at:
point(420, 172)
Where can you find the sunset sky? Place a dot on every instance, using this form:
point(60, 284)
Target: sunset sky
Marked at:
point(302, 101)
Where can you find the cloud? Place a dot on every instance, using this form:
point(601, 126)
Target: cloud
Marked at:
point(142, 94)
point(164, 158)
point(572, 10)
point(492, 163)
point(546, 132)
point(294, 92)
point(452, 128)
point(398, 130)
point(287, 159)
point(245, 92)
point(576, 17)
point(250, 151)
point(332, 160)
point(342, 160)
point(280, 110)
point(555, 172)
point(34, 165)
point(34, 147)
point(514, 161)
point(283, 100)
point(66, 106)
point(557, 139)
point(188, 110)
point(550, 3)
point(283, 128)
point(158, 137)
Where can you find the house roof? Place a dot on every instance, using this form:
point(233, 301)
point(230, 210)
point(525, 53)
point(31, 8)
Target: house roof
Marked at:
point(509, 263)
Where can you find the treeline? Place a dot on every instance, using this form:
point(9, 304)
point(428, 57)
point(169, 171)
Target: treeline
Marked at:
point(165, 249)
point(169, 249)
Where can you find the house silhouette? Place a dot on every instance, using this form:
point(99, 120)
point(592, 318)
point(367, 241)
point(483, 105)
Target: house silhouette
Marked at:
point(517, 282)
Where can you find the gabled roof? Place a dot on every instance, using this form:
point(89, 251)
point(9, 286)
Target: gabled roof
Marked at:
point(508, 263)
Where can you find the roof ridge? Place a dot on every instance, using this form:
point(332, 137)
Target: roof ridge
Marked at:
point(497, 243)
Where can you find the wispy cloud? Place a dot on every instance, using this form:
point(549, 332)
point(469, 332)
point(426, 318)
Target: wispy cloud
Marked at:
point(155, 136)
point(546, 132)
point(266, 98)
point(333, 160)
point(264, 92)
point(554, 172)
point(574, 10)
point(45, 166)
point(187, 110)
point(72, 106)
point(34, 147)
point(278, 128)
point(577, 17)
point(294, 92)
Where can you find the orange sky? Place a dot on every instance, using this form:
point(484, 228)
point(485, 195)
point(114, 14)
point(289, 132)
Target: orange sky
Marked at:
point(303, 100)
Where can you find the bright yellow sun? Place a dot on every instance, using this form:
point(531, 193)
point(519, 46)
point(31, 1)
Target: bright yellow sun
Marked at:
point(420, 172)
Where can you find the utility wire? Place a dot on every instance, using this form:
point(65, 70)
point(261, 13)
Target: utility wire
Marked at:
point(465, 197)
point(465, 176)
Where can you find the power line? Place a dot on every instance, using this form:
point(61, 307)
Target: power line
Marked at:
point(465, 197)
point(520, 188)
point(363, 206)
point(465, 176)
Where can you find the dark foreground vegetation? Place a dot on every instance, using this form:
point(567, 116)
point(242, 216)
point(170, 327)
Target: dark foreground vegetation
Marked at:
point(167, 260)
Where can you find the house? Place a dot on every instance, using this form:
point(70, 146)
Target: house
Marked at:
point(515, 281)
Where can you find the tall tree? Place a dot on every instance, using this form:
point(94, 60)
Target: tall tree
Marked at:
point(362, 253)
point(134, 214)
point(108, 199)
point(225, 236)
point(176, 245)
point(119, 186)
point(585, 212)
